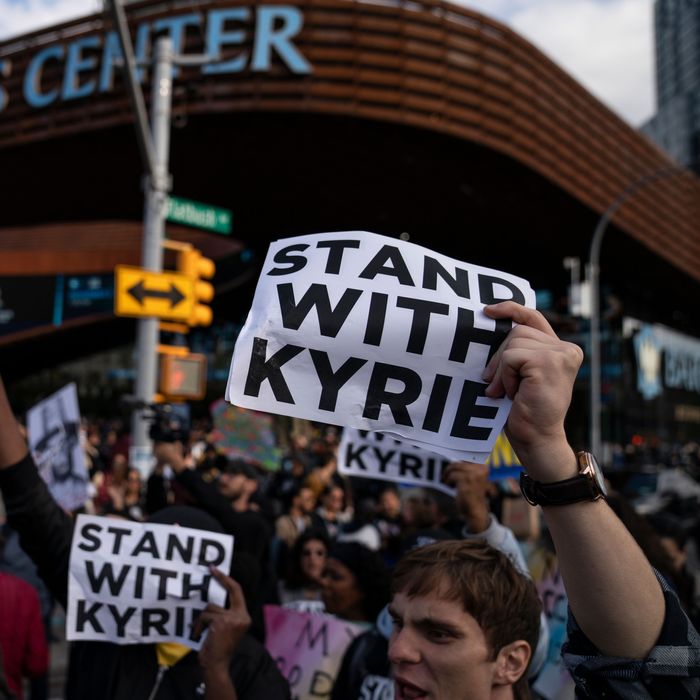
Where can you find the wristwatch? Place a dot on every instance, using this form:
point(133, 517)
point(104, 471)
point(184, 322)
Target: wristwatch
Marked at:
point(587, 485)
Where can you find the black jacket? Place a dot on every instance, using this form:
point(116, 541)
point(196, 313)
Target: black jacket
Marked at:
point(102, 669)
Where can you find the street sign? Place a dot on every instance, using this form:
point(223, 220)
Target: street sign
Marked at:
point(198, 215)
point(140, 293)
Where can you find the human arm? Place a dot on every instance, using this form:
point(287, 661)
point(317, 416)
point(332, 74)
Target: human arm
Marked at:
point(607, 578)
point(250, 529)
point(225, 630)
point(45, 530)
point(12, 445)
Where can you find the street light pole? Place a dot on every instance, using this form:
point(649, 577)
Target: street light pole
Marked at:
point(593, 276)
point(154, 146)
point(157, 185)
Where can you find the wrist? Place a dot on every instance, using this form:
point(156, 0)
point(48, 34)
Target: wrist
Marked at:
point(549, 462)
point(217, 672)
point(477, 519)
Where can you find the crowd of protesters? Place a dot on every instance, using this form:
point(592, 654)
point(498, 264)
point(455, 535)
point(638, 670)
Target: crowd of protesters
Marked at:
point(309, 539)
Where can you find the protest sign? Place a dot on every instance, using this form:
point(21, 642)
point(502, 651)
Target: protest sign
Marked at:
point(378, 334)
point(553, 681)
point(376, 688)
point(308, 649)
point(244, 434)
point(54, 440)
point(378, 456)
point(141, 583)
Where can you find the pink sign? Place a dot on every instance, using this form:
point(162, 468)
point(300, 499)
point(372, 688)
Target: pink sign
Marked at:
point(308, 648)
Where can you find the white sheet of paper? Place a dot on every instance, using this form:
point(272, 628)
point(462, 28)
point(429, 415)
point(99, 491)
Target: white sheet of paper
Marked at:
point(54, 440)
point(141, 583)
point(376, 456)
point(375, 333)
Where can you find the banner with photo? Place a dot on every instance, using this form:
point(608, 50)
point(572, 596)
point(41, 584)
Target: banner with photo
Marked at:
point(53, 426)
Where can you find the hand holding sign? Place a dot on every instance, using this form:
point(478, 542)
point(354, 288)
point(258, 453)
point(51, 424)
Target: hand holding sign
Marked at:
point(537, 371)
point(225, 627)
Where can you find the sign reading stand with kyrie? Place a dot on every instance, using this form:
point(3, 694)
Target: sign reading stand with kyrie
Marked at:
point(378, 334)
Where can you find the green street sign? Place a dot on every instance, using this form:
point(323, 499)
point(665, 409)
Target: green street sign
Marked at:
point(198, 215)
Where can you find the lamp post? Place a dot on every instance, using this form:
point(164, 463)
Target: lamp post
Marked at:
point(593, 276)
point(154, 146)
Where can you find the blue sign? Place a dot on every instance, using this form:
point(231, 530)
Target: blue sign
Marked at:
point(86, 65)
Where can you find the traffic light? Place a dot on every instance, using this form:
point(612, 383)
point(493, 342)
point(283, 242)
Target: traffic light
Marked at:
point(193, 264)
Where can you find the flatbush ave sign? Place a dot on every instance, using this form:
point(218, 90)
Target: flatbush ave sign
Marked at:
point(88, 64)
point(204, 216)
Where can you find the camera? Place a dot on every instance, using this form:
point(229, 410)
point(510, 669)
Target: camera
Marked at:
point(166, 424)
point(169, 422)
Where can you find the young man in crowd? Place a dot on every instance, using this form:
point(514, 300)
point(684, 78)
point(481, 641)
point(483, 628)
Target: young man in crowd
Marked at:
point(231, 664)
point(628, 636)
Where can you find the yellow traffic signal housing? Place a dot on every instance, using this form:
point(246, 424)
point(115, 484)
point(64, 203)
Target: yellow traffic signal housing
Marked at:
point(191, 263)
point(182, 376)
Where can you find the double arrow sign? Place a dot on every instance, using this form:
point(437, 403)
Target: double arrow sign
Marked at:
point(141, 293)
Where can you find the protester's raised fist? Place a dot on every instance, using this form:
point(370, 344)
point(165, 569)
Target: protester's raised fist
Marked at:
point(170, 453)
point(471, 482)
point(537, 370)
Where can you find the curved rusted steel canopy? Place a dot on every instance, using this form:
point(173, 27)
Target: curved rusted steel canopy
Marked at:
point(420, 116)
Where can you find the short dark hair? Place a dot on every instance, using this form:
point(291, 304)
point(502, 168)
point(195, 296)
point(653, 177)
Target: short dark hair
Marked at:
point(370, 572)
point(484, 580)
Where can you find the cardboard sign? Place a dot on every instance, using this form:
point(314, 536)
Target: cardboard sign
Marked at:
point(308, 649)
point(378, 334)
point(245, 434)
point(54, 440)
point(140, 583)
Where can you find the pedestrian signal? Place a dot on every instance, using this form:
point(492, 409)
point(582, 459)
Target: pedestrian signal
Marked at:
point(183, 376)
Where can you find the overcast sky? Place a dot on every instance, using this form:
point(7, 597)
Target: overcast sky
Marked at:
point(605, 44)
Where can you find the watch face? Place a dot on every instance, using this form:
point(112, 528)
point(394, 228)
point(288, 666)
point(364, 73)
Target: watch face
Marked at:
point(590, 467)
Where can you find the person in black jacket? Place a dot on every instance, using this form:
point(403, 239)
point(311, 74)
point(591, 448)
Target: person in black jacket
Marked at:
point(230, 665)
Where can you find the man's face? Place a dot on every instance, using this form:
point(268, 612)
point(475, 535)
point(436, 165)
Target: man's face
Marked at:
point(232, 485)
point(438, 651)
point(389, 504)
point(307, 500)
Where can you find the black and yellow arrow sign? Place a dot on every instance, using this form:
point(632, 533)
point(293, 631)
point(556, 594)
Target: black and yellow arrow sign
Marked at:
point(140, 293)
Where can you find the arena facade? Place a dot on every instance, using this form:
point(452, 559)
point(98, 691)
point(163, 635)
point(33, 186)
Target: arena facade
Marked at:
point(391, 116)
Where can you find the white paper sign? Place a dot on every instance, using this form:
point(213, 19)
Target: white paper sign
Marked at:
point(140, 583)
point(378, 334)
point(376, 456)
point(54, 440)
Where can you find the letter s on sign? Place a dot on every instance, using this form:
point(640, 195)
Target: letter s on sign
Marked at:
point(296, 262)
point(86, 532)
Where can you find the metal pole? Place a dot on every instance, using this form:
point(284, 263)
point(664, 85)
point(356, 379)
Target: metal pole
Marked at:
point(133, 89)
point(156, 186)
point(593, 274)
